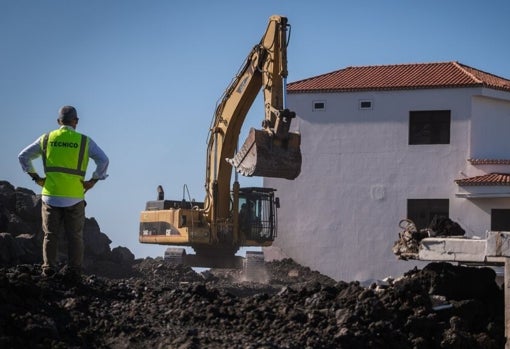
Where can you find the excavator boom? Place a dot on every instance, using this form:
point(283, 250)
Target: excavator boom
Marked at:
point(272, 151)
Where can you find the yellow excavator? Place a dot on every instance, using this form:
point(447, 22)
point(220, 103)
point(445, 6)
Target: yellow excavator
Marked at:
point(230, 218)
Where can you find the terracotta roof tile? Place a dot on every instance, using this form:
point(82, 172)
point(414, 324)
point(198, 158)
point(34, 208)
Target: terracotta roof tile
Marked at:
point(488, 179)
point(489, 161)
point(400, 77)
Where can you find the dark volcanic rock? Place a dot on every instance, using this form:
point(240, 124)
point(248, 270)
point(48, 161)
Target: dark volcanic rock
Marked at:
point(166, 306)
point(126, 303)
point(21, 236)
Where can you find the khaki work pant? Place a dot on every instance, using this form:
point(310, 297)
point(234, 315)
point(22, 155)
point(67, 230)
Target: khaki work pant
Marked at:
point(72, 218)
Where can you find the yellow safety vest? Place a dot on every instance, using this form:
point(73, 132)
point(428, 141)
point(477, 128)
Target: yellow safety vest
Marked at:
point(65, 160)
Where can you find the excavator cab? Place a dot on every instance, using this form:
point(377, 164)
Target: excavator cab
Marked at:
point(257, 213)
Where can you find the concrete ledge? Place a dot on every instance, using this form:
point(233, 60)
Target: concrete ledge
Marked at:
point(452, 249)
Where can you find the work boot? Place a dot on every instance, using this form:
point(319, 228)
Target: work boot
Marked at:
point(47, 272)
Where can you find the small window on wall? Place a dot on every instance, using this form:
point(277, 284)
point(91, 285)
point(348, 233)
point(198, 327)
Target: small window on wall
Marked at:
point(500, 219)
point(429, 127)
point(319, 105)
point(365, 104)
point(422, 211)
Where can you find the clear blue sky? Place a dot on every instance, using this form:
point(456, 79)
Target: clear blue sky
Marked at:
point(145, 75)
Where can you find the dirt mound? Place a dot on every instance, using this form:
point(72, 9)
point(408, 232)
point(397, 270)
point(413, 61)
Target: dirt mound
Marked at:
point(165, 306)
point(126, 303)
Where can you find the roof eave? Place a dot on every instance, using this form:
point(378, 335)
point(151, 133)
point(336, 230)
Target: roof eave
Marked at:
point(396, 88)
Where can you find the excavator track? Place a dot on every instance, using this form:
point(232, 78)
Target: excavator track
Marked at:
point(175, 255)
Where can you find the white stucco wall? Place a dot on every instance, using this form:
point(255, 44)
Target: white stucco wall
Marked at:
point(490, 121)
point(340, 216)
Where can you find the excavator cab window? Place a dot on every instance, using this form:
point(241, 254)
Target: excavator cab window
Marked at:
point(257, 214)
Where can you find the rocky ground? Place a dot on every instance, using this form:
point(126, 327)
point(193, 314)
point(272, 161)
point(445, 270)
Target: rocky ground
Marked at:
point(165, 306)
point(126, 303)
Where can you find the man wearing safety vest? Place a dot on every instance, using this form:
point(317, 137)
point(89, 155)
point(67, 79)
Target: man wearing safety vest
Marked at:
point(65, 155)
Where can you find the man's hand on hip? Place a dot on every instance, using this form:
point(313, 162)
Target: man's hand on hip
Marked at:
point(89, 184)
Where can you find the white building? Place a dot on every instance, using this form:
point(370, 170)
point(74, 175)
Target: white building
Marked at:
point(382, 143)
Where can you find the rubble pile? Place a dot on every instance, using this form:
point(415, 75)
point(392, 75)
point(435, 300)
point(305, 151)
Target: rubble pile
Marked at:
point(21, 236)
point(149, 303)
point(166, 306)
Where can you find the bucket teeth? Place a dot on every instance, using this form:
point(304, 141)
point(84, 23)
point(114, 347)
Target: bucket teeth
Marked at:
point(265, 156)
point(248, 172)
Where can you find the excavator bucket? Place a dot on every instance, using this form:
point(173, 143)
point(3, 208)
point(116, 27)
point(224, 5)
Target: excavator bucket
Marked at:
point(265, 156)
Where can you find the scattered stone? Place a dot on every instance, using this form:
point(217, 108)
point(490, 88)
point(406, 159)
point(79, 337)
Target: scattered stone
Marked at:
point(21, 236)
point(123, 302)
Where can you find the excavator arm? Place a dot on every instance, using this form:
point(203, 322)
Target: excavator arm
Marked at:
point(270, 152)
